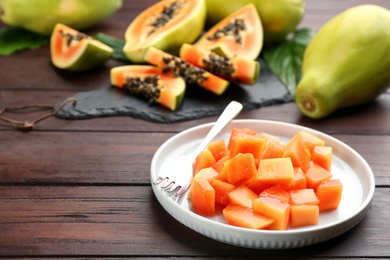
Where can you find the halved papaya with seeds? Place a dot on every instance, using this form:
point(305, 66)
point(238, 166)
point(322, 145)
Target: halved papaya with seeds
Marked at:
point(190, 73)
point(166, 25)
point(233, 69)
point(74, 50)
point(150, 83)
point(240, 34)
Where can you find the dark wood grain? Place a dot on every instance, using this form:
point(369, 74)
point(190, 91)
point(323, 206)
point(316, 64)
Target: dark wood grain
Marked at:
point(81, 188)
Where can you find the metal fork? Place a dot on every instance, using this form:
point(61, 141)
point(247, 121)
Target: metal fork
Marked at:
point(176, 178)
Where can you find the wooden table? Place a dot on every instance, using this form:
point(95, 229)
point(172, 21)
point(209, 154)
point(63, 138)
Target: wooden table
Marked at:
point(81, 188)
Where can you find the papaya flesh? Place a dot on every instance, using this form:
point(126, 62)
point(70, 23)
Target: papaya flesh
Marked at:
point(165, 25)
point(150, 83)
point(233, 69)
point(278, 17)
point(347, 63)
point(73, 50)
point(238, 35)
point(190, 73)
point(41, 16)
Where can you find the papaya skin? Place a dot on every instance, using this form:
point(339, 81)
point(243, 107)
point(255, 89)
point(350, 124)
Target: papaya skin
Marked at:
point(41, 16)
point(347, 63)
point(278, 17)
point(184, 27)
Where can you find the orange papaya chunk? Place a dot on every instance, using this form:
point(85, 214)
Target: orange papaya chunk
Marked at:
point(315, 175)
point(240, 169)
point(236, 132)
point(217, 149)
point(276, 192)
point(276, 171)
point(311, 140)
point(257, 186)
point(272, 150)
point(208, 173)
point(274, 209)
point(299, 180)
point(322, 155)
point(304, 215)
point(296, 150)
point(204, 159)
point(243, 196)
point(241, 216)
point(247, 143)
point(303, 197)
point(269, 137)
point(222, 190)
point(329, 194)
point(202, 197)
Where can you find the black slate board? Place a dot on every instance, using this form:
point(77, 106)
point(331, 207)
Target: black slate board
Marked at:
point(197, 103)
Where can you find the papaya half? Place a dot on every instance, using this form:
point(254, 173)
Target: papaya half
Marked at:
point(165, 25)
point(41, 16)
point(347, 62)
point(238, 35)
point(278, 17)
point(151, 83)
point(73, 50)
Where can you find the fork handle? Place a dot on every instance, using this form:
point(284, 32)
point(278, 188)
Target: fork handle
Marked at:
point(230, 112)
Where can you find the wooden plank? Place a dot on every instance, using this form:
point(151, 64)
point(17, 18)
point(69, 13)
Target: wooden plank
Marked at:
point(120, 158)
point(128, 221)
point(337, 123)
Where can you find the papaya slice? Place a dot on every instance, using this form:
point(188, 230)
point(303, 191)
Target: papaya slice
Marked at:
point(151, 83)
point(233, 69)
point(239, 34)
point(190, 73)
point(73, 50)
point(165, 25)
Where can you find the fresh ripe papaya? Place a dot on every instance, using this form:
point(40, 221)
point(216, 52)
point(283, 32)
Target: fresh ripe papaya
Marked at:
point(279, 17)
point(41, 16)
point(347, 62)
point(165, 25)
point(73, 50)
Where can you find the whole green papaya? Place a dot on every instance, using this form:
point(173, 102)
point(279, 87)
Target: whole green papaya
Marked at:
point(40, 16)
point(347, 62)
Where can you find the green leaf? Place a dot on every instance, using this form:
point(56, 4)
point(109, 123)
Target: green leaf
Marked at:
point(114, 43)
point(285, 59)
point(13, 39)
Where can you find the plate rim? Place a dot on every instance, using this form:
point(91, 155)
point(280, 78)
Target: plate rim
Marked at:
point(334, 228)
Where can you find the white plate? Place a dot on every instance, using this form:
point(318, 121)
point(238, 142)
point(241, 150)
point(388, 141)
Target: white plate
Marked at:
point(347, 165)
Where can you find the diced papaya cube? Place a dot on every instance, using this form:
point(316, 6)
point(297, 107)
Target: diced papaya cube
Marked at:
point(208, 173)
point(269, 138)
point(296, 150)
point(272, 150)
point(247, 143)
point(222, 190)
point(257, 185)
point(218, 166)
point(322, 155)
point(303, 197)
point(276, 192)
point(243, 196)
point(274, 209)
point(304, 215)
point(276, 171)
point(202, 197)
point(329, 193)
point(204, 159)
point(299, 180)
point(311, 140)
point(241, 216)
point(237, 131)
point(240, 169)
point(217, 149)
point(315, 175)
